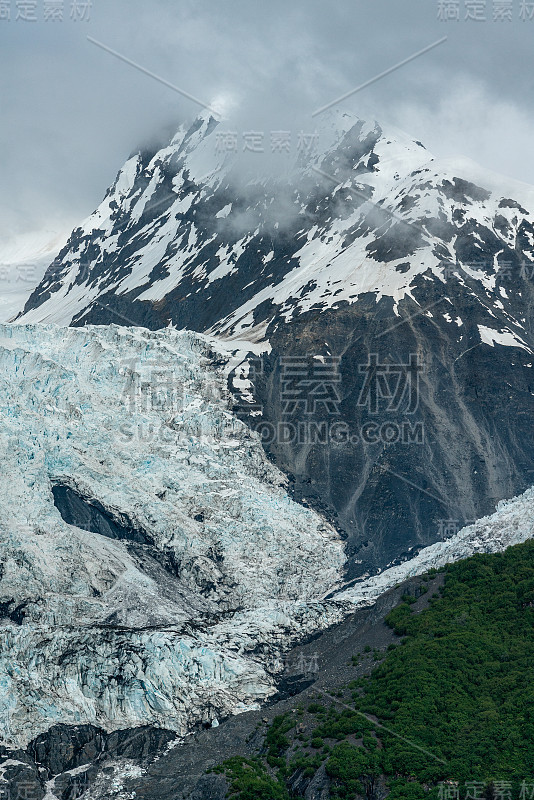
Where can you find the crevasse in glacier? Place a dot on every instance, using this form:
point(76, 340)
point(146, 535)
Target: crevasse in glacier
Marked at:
point(118, 633)
point(204, 569)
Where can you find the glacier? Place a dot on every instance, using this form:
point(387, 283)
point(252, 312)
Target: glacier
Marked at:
point(101, 632)
point(181, 620)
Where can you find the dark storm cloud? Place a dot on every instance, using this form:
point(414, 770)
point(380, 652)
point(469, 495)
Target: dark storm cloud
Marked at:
point(71, 113)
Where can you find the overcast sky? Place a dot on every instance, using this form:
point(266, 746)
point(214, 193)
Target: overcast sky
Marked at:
point(71, 113)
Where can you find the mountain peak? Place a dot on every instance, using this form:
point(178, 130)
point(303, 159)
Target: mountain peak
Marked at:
point(347, 210)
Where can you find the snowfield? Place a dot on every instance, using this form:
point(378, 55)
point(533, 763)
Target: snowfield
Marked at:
point(178, 611)
point(366, 211)
point(23, 263)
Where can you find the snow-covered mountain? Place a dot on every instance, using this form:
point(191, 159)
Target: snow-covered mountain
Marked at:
point(364, 211)
point(365, 251)
point(185, 498)
point(153, 566)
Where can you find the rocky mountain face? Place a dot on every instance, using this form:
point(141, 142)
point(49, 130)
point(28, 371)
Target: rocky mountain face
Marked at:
point(379, 304)
point(154, 570)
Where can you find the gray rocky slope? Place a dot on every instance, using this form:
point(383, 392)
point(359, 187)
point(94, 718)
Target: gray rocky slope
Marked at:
point(379, 303)
point(154, 569)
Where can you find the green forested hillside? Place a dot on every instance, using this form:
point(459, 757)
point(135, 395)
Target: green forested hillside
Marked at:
point(457, 690)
